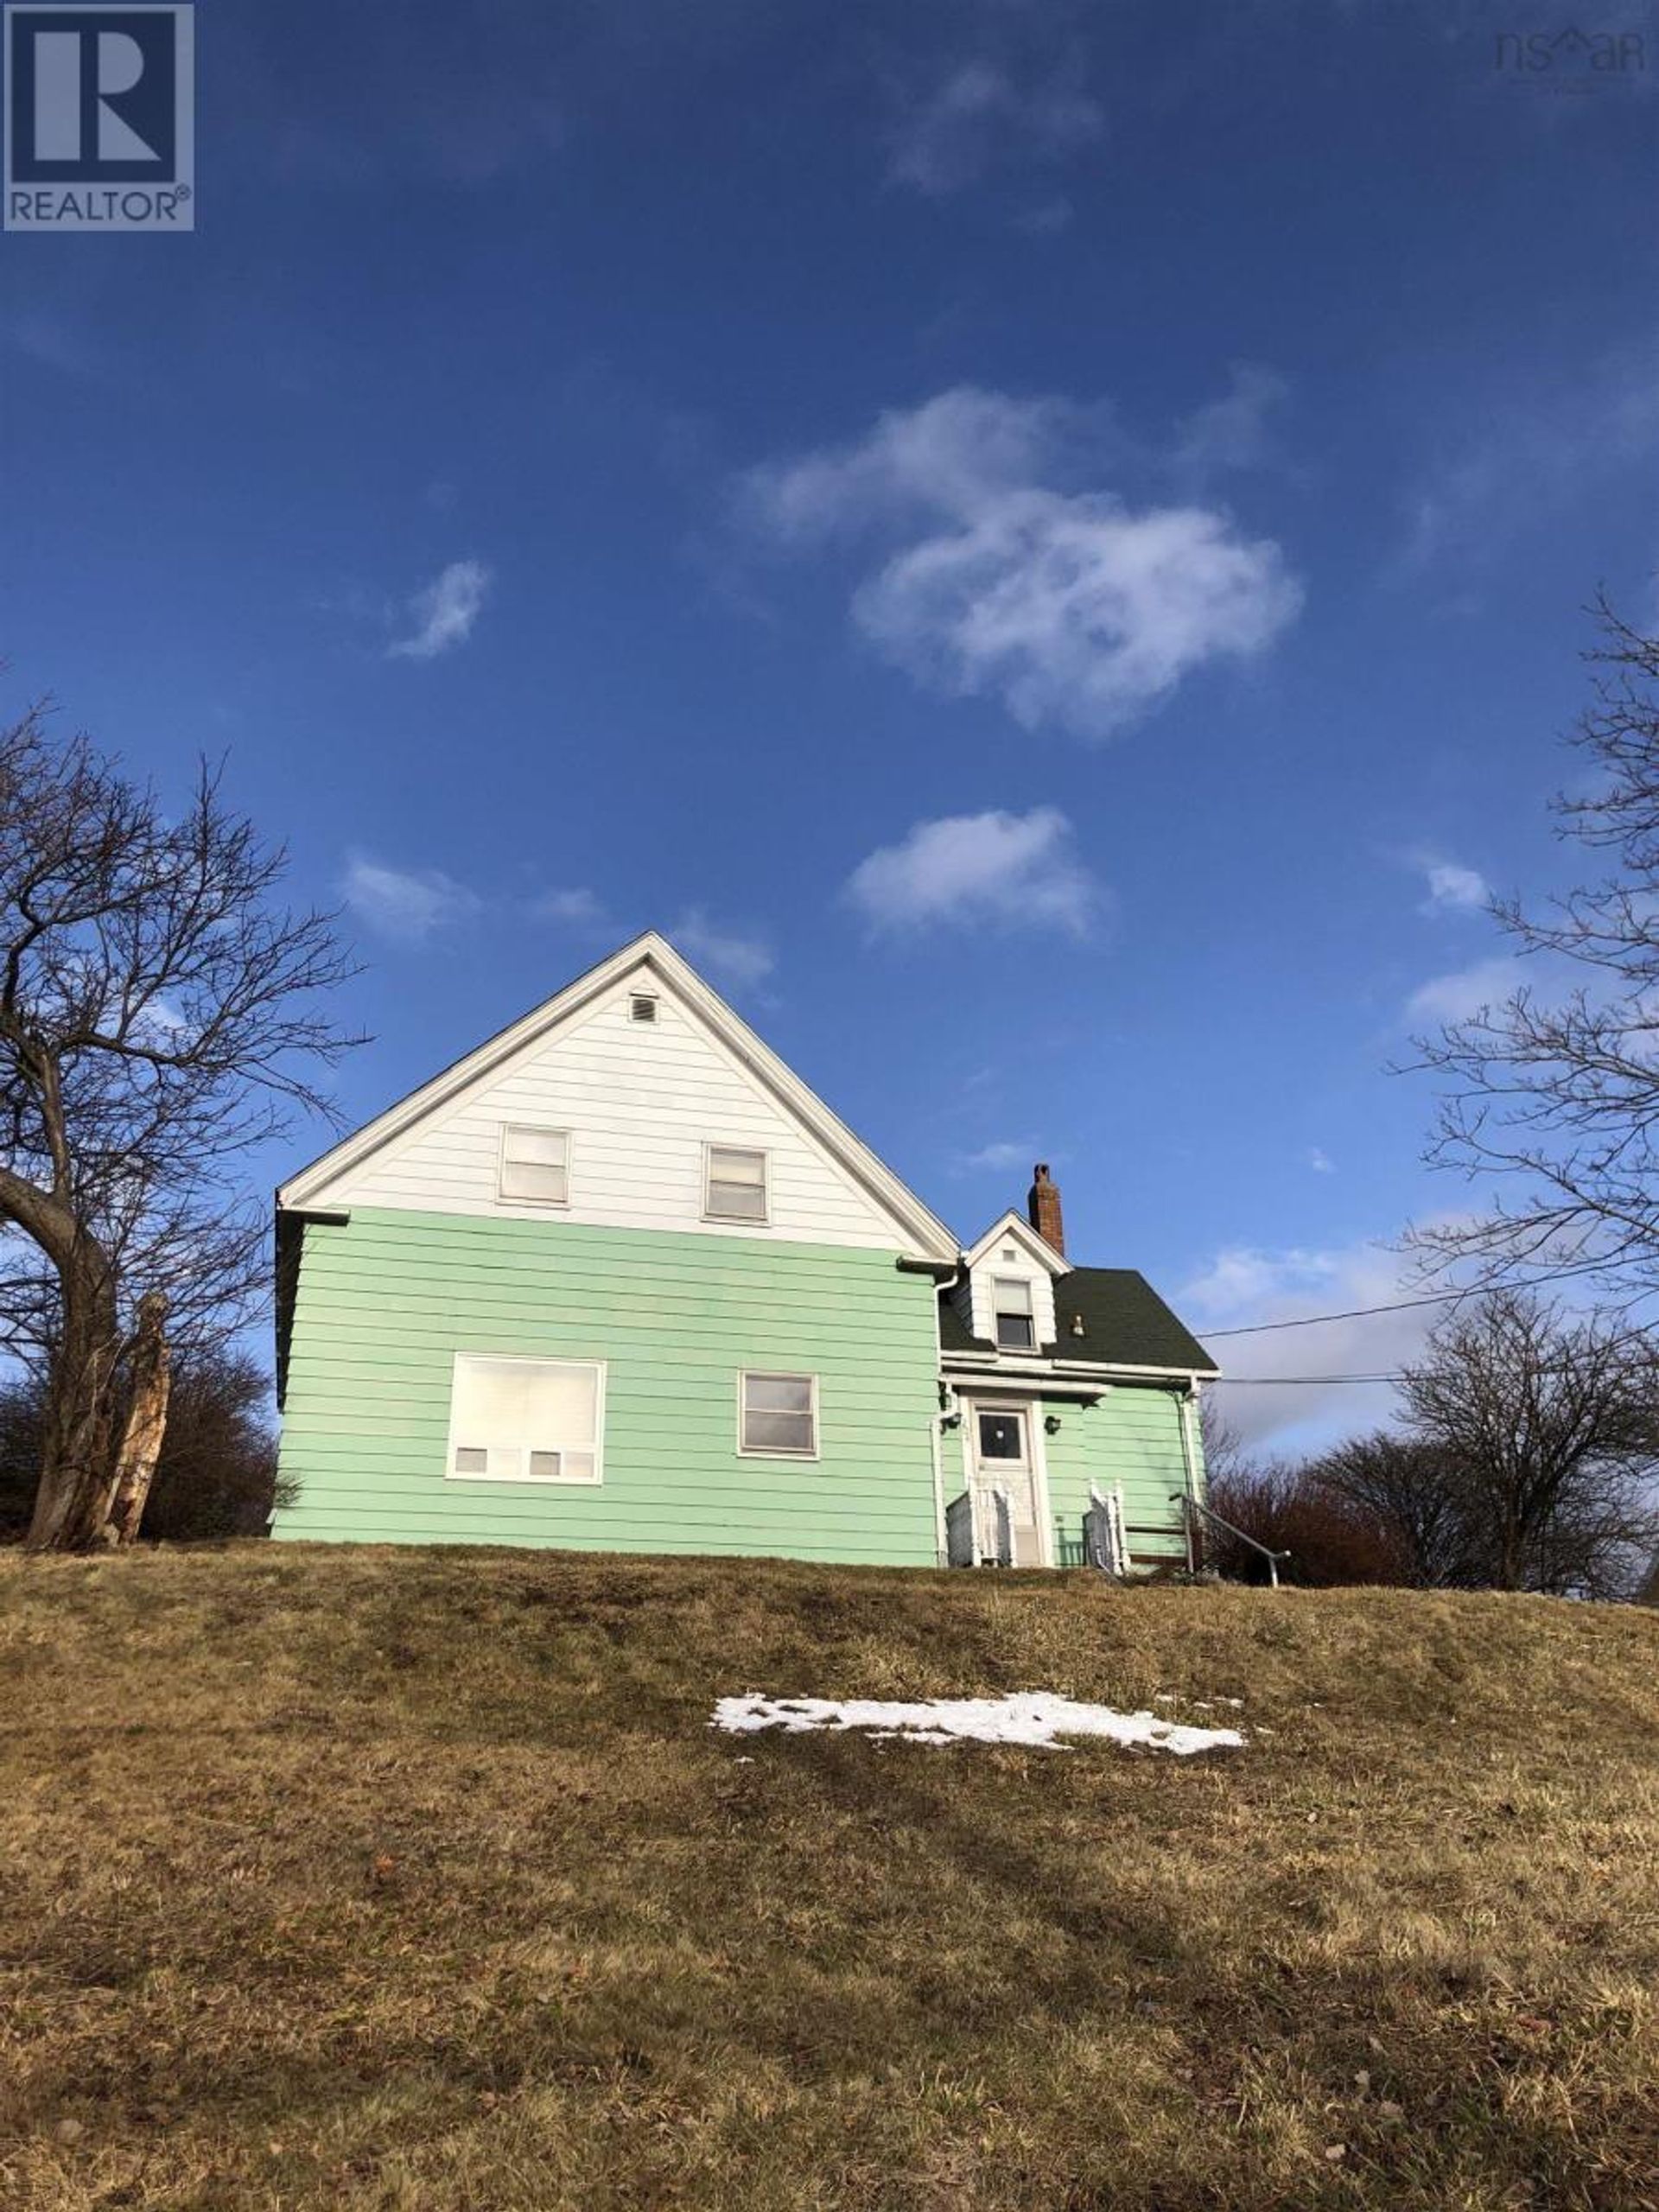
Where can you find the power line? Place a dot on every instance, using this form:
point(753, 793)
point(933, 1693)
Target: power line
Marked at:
point(1278, 1381)
point(1403, 1305)
point(1353, 1313)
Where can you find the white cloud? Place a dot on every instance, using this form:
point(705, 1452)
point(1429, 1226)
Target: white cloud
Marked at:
point(1321, 1161)
point(44, 337)
point(443, 612)
point(403, 905)
point(737, 959)
point(576, 906)
point(1011, 870)
point(947, 456)
point(1452, 888)
point(946, 137)
point(1553, 444)
point(1074, 611)
point(1047, 218)
point(1243, 1285)
point(1232, 432)
point(1009, 574)
point(998, 1157)
point(1460, 996)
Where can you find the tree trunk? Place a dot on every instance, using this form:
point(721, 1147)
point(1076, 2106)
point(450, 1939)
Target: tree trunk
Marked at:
point(150, 1379)
point(77, 1458)
point(1509, 1561)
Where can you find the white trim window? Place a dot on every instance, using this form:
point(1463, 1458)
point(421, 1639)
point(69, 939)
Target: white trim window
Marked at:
point(1016, 1318)
point(777, 1415)
point(535, 1166)
point(527, 1420)
point(733, 1184)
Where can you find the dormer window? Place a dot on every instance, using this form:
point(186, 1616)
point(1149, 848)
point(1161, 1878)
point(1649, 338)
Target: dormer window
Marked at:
point(1016, 1326)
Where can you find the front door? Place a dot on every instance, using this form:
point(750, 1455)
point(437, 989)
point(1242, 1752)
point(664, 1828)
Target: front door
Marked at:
point(1001, 1454)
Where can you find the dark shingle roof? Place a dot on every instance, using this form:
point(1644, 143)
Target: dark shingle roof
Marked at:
point(1125, 1324)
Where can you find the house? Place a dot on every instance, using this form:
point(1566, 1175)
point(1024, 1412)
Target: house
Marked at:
point(618, 1279)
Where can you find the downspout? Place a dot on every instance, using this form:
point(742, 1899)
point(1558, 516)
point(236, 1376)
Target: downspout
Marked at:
point(936, 1425)
point(935, 1430)
point(1190, 1474)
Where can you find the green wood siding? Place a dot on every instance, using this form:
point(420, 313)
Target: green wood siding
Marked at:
point(386, 1302)
point(1132, 1436)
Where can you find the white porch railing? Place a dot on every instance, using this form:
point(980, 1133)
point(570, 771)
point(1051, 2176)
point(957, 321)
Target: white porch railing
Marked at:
point(1105, 1540)
point(959, 1531)
point(1001, 1519)
point(978, 1529)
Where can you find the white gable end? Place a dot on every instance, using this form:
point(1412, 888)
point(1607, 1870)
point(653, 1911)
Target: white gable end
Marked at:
point(1011, 1261)
point(640, 1102)
point(1009, 1250)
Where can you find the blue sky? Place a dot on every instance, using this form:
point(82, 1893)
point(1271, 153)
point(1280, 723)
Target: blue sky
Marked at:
point(1045, 546)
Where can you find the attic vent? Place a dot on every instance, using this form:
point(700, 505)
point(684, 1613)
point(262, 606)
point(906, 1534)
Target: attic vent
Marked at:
point(642, 1006)
point(1008, 1252)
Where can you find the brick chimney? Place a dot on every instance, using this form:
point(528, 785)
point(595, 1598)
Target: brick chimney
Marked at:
point(1043, 1208)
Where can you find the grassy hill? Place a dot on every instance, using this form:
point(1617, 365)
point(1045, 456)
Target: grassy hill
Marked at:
point(416, 1879)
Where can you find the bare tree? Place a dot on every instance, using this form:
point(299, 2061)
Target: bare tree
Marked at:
point(159, 1017)
point(216, 1472)
point(1227, 1459)
point(1415, 1490)
point(1327, 1538)
point(1547, 1431)
point(1554, 1094)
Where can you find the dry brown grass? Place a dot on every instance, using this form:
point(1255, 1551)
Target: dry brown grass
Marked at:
point(380, 1880)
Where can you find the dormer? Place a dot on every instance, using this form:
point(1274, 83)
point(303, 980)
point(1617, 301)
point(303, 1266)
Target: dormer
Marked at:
point(1007, 1297)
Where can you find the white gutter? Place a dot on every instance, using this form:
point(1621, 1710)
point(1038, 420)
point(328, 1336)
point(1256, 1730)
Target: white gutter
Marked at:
point(990, 1362)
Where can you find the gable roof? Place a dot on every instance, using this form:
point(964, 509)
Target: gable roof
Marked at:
point(1125, 1324)
point(1016, 1226)
point(920, 1231)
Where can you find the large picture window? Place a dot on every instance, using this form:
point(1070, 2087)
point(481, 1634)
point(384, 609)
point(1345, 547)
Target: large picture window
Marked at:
point(527, 1420)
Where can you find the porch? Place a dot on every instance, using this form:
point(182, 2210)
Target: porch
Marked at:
point(1054, 1473)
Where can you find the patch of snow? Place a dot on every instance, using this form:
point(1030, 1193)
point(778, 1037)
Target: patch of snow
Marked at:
point(1027, 1717)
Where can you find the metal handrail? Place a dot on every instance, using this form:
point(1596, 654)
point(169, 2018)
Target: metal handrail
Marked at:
point(1191, 1504)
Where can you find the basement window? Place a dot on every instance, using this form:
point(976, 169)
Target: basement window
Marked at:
point(777, 1415)
point(1016, 1324)
point(734, 1184)
point(536, 1165)
point(527, 1420)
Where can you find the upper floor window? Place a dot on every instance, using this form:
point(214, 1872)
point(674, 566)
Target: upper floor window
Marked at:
point(527, 1420)
point(536, 1165)
point(734, 1184)
point(1016, 1324)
